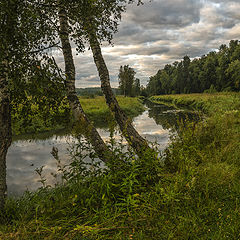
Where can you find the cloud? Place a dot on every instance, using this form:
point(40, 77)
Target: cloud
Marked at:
point(165, 14)
point(233, 33)
point(161, 32)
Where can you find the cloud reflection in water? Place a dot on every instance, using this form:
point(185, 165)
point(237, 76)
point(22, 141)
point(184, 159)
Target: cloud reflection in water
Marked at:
point(24, 156)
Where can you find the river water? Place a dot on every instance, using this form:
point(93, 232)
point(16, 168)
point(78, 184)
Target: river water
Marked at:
point(28, 153)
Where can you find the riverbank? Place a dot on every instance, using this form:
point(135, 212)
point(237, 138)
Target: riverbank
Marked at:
point(210, 104)
point(219, 134)
point(37, 120)
point(194, 195)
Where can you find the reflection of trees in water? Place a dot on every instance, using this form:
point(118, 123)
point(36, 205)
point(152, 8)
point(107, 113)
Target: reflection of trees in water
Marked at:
point(43, 135)
point(102, 122)
point(163, 115)
point(169, 117)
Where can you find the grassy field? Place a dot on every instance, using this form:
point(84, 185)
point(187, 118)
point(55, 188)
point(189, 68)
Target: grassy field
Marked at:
point(35, 119)
point(195, 194)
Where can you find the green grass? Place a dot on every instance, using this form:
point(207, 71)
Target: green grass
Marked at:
point(194, 195)
point(98, 111)
point(208, 103)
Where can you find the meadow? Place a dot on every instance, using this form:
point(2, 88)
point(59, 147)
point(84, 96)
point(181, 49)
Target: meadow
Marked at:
point(190, 192)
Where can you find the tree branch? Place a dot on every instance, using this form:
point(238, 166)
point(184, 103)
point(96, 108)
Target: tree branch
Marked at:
point(42, 49)
point(59, 73)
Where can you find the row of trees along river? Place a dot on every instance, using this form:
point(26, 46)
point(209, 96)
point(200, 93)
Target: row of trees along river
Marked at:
point(214, 72)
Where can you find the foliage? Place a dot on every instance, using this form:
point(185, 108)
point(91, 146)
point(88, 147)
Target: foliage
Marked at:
point(30, 117)
point(85, 16)
point(136, 87)
point(193, 195)
point(128, 84)
point(99, 18)
point(34, 82)
point(24, 39)
point(214, 72)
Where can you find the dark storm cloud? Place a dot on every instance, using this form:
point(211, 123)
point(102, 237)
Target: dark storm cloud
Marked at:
point(230, 11)
point(140, 34)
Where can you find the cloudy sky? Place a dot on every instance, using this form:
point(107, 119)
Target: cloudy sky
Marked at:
point(161, 32)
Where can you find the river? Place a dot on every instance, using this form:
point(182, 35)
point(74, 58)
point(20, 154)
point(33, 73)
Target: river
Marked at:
point(28, 153)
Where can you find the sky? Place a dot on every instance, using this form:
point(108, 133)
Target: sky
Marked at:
point(161, 32)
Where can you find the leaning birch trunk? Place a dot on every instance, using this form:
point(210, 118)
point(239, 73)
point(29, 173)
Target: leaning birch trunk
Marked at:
point(5, 129)
point(138, 143)
point(89, 130)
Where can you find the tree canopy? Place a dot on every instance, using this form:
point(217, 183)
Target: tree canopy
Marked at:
point(216, 71)
point(128, 84)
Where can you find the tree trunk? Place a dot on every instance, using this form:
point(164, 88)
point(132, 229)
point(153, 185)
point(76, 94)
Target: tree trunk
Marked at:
point(5, 128)
point(86, 126)
point(138, 143)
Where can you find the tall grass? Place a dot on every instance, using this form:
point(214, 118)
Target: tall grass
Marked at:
point(191, 192)
point(209, 103)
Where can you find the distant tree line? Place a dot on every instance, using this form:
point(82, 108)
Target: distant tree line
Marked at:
point(128, 84)
point(214, 72)
point(94, 91)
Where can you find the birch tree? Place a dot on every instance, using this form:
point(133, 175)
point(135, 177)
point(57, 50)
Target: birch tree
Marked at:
point(90, 131)
point(90, 22)
point(22, 44)
point(97, 21)
point(5, 124)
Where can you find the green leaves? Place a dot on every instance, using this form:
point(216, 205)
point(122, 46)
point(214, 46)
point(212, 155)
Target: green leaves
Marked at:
point(126, 78)
point(216, 71)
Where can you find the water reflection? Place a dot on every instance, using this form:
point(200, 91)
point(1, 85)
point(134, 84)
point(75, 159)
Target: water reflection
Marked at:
point(30, 151)
point(149, 129)
point(25, 156)
point(169, 117)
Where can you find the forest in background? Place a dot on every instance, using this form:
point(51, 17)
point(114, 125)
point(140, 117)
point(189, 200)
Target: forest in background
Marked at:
point(215, 72)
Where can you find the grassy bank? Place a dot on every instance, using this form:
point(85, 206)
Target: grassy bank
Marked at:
point(209, 103)
point(35, 119)
point(218, 137)
point(194, 195)
point(98, 111)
